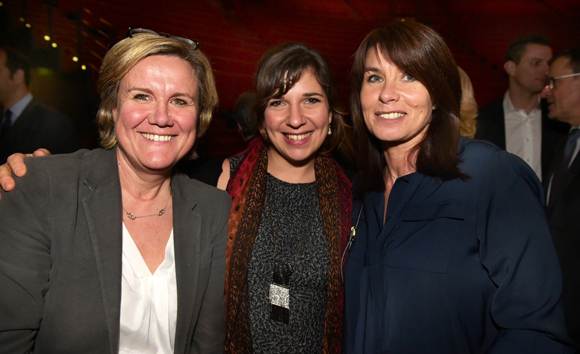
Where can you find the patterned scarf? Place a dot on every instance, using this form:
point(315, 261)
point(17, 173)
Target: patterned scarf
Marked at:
point(247, 188)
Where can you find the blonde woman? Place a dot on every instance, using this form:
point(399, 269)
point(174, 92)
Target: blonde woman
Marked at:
point(112, 250)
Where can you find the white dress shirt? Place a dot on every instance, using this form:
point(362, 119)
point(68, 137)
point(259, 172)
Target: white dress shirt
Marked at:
point(148, 301)
point(523, 133)
point(19, 107)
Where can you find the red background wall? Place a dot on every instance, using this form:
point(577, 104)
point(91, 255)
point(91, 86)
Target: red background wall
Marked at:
point(234, 34)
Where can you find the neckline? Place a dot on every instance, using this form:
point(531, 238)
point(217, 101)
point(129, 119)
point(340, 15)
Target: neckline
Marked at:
point(289, 183)
point(136, 261)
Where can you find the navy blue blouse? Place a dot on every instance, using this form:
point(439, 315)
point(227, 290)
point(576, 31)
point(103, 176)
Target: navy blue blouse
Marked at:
point(459, 266)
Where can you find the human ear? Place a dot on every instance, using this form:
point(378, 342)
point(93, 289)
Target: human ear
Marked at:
point(18, 76)
point(510, 67)
point(114, 112)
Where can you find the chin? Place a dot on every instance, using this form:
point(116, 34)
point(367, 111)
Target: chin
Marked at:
point(299, 162)
point(300, 159)
point(160, 165)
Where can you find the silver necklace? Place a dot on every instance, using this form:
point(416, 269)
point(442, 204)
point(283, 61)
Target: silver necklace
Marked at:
point(159, 213)
point(402, 174)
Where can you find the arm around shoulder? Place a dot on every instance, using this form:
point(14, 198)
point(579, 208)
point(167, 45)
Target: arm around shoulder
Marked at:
point(16, 165)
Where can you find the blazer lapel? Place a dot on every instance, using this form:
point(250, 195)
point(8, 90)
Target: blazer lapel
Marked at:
point(570, 175)
point(29, 107)
point(187, 243)
point(20, 127)
point(500, 127)
point(101, 201)
point(559, 155)
point(491, 126)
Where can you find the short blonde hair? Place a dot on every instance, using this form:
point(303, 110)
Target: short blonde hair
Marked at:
point(124, 55)
point(468, 108)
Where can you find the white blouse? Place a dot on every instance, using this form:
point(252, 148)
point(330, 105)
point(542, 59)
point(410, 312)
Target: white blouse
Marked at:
point(148, 301)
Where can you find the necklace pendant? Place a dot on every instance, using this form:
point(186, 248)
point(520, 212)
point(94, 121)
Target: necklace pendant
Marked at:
point(280, 291)
point(161, 212)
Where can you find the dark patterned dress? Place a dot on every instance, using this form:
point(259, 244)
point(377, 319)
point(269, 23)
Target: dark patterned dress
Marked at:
point(290, 230)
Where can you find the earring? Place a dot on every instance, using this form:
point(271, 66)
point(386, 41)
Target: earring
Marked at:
point(329, 130)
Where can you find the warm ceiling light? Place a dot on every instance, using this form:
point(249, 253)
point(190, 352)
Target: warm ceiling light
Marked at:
point(54, 45)
point(84, 67)
point(47, 38)
point(75, 59)
point(28, 25)
point(22, 19)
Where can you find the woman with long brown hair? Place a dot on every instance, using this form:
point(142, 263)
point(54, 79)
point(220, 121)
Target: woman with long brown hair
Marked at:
point(291, 210)
point(453, 252)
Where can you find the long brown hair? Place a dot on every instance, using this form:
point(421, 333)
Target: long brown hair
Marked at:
point(418, 51)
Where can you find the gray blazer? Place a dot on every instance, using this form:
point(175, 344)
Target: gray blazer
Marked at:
point(60, 258)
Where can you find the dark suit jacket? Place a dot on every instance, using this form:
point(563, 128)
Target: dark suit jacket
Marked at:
point(39, 126)
point(462, 266)
point(61, 254)
point(564, 217)
point(491, 127)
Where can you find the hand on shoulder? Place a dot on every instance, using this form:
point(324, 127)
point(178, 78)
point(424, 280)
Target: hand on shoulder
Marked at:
point(15, 164)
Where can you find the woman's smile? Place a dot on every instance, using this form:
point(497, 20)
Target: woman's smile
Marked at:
point(298, 137)
point(155, 137)
point(297, 123)
point(396, 107)
point(156, 113)
point(392, 115)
